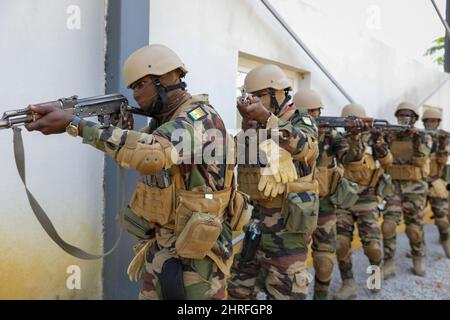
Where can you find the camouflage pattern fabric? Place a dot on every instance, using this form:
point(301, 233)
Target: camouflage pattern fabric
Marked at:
point(202, 278)
point(279, 267)
point(364, 213)
point(366, 216)
point(332, 148)
point(409, 199)
point(439, 206)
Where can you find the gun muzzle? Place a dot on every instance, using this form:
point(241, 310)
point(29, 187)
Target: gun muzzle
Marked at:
point(4, 124)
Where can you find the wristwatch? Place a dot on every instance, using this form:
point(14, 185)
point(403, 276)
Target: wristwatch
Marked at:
point(72, 127)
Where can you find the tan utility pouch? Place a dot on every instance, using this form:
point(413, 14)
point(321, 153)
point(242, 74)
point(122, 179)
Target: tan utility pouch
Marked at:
point(239, 212)
point(198, 236)
point(323, 178)
point(190, 202)
point(385, 187)
point(346, 194)
point(301, 212)
point(152, 203)
point(363, 172)
point(248, 180)
point(405, 172)
point(439, 189)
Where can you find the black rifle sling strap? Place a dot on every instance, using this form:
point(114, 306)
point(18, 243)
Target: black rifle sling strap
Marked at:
point(42, 217)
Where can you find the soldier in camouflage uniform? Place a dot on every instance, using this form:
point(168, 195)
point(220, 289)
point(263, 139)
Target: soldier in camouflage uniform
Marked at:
point(276, 266)
point(173, 264)
point(367, 156)
point(438, 196)
point(411, 150)
point(333, 148)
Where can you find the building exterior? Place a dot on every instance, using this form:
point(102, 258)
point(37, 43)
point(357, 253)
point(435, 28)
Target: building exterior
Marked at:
point(50, 49)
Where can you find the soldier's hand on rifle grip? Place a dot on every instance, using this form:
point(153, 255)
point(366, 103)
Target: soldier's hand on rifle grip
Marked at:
point(254, 111)
point(49, 120)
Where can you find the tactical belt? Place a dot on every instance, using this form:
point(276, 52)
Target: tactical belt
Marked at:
point(42, 217)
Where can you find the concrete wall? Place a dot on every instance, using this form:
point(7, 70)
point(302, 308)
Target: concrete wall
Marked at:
point(41, 59)
point(209, 35)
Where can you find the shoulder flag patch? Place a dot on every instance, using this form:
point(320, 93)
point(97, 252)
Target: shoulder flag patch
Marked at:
point(197, 114)
point(307, 121)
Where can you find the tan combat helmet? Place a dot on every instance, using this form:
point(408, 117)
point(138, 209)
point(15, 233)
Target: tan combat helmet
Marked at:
point(354, 109)
point(155, 59)
point(267, 76)
point(407, 106)
point(307, 99)
point(431, 113)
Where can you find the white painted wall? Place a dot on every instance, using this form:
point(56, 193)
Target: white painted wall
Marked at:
point(42, 60)
point(376, 66)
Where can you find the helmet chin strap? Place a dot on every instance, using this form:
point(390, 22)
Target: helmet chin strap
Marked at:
point(161, 104)
point(274, 102)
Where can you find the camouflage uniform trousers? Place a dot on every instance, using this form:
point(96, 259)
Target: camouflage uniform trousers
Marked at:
point(439, 206)
point(202, 279)
point(324, 247)
point(279, 266)
point(365, 214)
point(409, 198)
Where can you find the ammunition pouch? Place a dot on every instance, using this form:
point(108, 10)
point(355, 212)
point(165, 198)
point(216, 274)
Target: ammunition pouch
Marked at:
point(438, 189)
point(405, 172)
point(198, 235)
point(437, 168)
point(385, 187)
point(239, 213)
point(301, 207)
point(137, 225)
point(363, 172)
point(153, 203)
point(346, 194)
point(328, 180)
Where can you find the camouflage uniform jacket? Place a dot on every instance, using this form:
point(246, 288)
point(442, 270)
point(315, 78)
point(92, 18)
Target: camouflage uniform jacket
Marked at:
point(197, 175)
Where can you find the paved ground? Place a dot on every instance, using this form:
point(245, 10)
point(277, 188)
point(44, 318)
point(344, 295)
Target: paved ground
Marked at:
point(405, 286)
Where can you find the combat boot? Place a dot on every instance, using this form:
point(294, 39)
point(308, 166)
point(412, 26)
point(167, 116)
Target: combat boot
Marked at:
point(347, 291)
point(446, 247)
point(418, 266)
point(389, 269)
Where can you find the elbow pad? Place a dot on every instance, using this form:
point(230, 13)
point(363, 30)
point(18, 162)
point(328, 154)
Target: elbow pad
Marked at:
point(148, 159)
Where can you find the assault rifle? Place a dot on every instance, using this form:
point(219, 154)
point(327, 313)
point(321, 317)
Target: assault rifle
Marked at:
point(350, 122)
point(101, 106)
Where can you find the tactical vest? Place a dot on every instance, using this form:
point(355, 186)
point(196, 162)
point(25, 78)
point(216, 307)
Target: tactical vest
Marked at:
point(403, 169)
point(195, 217)
point(365, 171)
point(249, 177)
point(328, 174)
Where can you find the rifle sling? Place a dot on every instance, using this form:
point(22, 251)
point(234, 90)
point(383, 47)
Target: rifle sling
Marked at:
point(43, 218)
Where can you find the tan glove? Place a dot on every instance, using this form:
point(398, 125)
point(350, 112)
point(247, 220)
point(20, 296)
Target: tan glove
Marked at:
point(137, 265)
point(279, 162)
point(270, 187)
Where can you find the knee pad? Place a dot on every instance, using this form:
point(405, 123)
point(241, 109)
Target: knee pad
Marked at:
point(373, 252)
point(343, 247)
point(389, 229)
point(414, 234)
point(323, 265)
